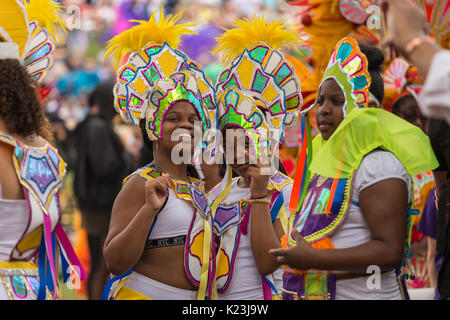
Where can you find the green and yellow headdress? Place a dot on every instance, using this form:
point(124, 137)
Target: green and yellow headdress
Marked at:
point(154, 56)
point(236, 110)
point(260, 71)
point(348, 66)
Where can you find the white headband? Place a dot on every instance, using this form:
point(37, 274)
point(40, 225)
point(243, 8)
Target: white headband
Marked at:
point(9, 50)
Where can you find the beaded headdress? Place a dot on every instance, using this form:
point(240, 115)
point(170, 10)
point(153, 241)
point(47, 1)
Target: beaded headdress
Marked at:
point(258, 70)
point(154, 56)
point(29, 33)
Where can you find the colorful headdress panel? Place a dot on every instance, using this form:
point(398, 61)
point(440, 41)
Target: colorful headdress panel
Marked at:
point(260, 71)
point(156, 59)
point(348, 66)
point(235, 109)
point(33, 39)
point(181, 86)
point(46, 28)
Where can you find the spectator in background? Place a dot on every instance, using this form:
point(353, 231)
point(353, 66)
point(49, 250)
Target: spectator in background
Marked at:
point(428, 226)
point(101, 165)
point(407, 28)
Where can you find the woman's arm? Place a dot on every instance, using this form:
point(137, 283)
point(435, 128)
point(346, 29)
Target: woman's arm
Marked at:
point(263, 234)
point(431, 266)
point(384, 207)
point(132, 215)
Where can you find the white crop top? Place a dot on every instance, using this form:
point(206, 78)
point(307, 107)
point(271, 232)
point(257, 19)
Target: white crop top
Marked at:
point(173, 220)
point(13, 221)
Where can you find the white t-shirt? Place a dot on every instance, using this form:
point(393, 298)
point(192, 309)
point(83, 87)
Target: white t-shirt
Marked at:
point(375, 167)
point(434, 100)
point(246, 283)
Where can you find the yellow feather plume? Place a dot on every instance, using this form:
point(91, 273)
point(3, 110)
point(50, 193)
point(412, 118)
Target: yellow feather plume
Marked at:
point(135, 38)
point(46, 15)
point(250, 31)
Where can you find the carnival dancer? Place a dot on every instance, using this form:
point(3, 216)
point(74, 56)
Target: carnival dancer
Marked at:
point(257, 96)
point(32, 170)
point(165, 93)
point(403, 85)
point(353, 214)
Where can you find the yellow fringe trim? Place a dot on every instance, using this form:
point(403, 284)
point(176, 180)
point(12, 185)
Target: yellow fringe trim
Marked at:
point(135, 38)
point(250, 31)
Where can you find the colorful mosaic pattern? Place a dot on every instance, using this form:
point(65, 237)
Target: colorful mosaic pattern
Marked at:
point(236, 110)
point(348, 66)
point(180, 86)
point(136, 80)
point(39, 59)
point(395, 76)
point(264, 74)
point(40, 171)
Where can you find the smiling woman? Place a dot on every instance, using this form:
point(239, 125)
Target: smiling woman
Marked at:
point(145, 246)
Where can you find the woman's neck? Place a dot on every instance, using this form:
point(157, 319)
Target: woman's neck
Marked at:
point(3, 127)
point(211, 178)
point(175, 171)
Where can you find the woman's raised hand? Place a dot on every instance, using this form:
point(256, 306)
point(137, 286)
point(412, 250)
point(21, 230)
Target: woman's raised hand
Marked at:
point(156, 192)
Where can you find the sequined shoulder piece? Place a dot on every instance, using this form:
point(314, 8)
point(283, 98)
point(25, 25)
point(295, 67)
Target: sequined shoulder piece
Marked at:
point(148, 173)
point(7, 139)
point(278, 181)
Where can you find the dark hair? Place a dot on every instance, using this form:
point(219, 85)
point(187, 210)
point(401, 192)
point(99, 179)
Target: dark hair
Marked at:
point(148, 143)
point(103, 97)
point(191, 171)
point(19, 104)
point(375, 57)
point(402, 100)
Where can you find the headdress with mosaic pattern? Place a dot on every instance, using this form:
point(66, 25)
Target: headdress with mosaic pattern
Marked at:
point(154, 56)
point(260, 71)
point(236, 110)
point(348, 66)
point(35, 27)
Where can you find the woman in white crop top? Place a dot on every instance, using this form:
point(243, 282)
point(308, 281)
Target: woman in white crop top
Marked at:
point(150, 219)
point(164, 92)
point(30, 177)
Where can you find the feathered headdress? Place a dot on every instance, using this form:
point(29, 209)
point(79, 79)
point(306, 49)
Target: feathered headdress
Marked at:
point(46, 14)
point(164, 29)
point(153, 60)
point(250, 31)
